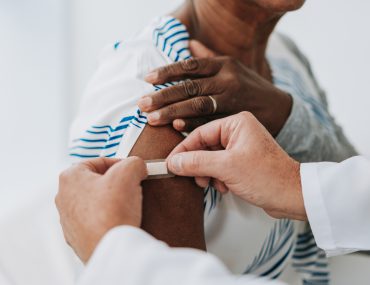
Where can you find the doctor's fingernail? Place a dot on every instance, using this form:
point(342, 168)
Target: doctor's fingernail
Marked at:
point(151, 76)
point(175, 163)
point(145, 102)
point(153, 117)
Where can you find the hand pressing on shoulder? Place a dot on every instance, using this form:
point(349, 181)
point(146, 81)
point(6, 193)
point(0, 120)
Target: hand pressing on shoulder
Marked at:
point(96, 196)
point(213, 87)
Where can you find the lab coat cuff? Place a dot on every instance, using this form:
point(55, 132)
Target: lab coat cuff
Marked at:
point(122, 235)
point(120, 245)
point(315, 208)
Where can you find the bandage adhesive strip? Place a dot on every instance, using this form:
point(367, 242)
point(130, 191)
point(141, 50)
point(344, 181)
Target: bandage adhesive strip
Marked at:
point(157, 169)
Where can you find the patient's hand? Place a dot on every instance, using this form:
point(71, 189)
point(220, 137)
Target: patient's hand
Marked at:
point(233, 88)
point(172, 208)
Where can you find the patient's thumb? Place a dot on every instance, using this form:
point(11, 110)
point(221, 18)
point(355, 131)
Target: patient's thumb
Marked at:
point(197, 49)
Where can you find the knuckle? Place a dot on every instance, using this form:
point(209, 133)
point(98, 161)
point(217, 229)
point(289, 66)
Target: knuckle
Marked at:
point(134, 159)
point(189, 64)
point(172, 111)
point(165, 95)
point(192, 88)
point(246, 117)
point(63, 176)
point(164, 72)
point(202, 105)
point(136, 162)
point(196, 161)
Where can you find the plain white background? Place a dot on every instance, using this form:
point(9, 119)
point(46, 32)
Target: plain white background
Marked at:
point(49, 50)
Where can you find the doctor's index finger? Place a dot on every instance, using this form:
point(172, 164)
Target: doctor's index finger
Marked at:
point(211, 136)
point(98, 165)
point(205, 137)
point(87, 169)
point(131, 170)
point(190, 68)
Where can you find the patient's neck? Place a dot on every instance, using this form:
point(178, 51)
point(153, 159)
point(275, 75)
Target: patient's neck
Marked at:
point(233, 27)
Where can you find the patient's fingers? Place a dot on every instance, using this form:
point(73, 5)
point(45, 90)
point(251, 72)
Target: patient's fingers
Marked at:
point(184, 90)
point(200, 50)
point(219, 186)
point(202, 182)
point(193, 108)
point(189, 125)
point(191, 68)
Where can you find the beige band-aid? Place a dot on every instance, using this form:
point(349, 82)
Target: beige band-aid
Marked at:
point(157, 169)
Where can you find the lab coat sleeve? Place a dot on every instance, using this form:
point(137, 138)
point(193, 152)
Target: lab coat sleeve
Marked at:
point(129, 256)
point(337, 201)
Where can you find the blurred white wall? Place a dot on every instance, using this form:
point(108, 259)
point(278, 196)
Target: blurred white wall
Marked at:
point(33, 93)
point(333, 34)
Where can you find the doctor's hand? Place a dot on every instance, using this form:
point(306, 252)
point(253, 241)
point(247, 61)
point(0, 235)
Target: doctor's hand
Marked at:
point(237, 154)
point(213, 87)
point(96, 196)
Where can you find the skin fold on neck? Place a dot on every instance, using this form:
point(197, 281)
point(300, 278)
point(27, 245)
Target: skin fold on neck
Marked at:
point(239, 29)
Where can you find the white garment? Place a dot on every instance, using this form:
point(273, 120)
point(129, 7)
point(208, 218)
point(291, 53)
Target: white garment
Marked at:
point(337, 201)
point(129, 256)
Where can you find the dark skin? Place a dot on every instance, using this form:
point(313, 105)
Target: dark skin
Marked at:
point(239, 80)
point(173, 208)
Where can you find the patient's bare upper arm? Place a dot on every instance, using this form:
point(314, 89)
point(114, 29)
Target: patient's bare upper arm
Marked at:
point(172, 208)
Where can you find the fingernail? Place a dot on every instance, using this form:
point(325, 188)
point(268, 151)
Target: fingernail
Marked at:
point(153, 117)
point(151, 77)
point(145, 103)
point(179, 124)
point(175, 163)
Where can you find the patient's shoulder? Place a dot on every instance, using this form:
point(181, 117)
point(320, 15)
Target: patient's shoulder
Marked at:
point(282, 46)
point(134, 56)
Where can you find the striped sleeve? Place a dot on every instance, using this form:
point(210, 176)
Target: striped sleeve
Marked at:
point(310, 261)
point(109, 122)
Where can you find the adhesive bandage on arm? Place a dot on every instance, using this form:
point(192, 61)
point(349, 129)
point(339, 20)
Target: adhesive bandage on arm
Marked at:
point(157, 169)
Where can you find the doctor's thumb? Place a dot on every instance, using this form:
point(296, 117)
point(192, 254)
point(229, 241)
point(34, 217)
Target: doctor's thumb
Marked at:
point(197, 164)
point(131, 170)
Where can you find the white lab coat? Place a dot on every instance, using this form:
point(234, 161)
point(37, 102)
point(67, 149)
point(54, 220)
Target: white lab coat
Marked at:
point(337, 200)
point(129, 256)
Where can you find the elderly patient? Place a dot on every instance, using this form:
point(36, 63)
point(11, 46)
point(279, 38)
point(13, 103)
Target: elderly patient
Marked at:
point(176, 211)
